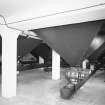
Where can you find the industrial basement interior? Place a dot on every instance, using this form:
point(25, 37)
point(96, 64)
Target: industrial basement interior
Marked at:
point(52, 52)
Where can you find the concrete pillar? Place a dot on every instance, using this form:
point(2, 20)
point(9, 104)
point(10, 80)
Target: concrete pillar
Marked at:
point(9, 61)
point(41, 60)
point(91, 67)
point(84, 64)
point(55, 65)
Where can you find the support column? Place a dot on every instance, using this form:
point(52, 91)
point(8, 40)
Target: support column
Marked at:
point(41, 60)
point(9, 61)
point(55, 65)
point(91, 67)
point(84, 64)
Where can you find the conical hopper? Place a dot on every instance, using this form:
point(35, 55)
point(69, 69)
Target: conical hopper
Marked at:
point(97, 54)
point(26, 45)
point(100, 43)
point(42, 50)
point(70, 41)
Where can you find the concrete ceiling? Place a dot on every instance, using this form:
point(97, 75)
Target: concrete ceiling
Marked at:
point(16, 12)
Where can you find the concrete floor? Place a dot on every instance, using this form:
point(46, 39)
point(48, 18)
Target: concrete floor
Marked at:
point(35, 87)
